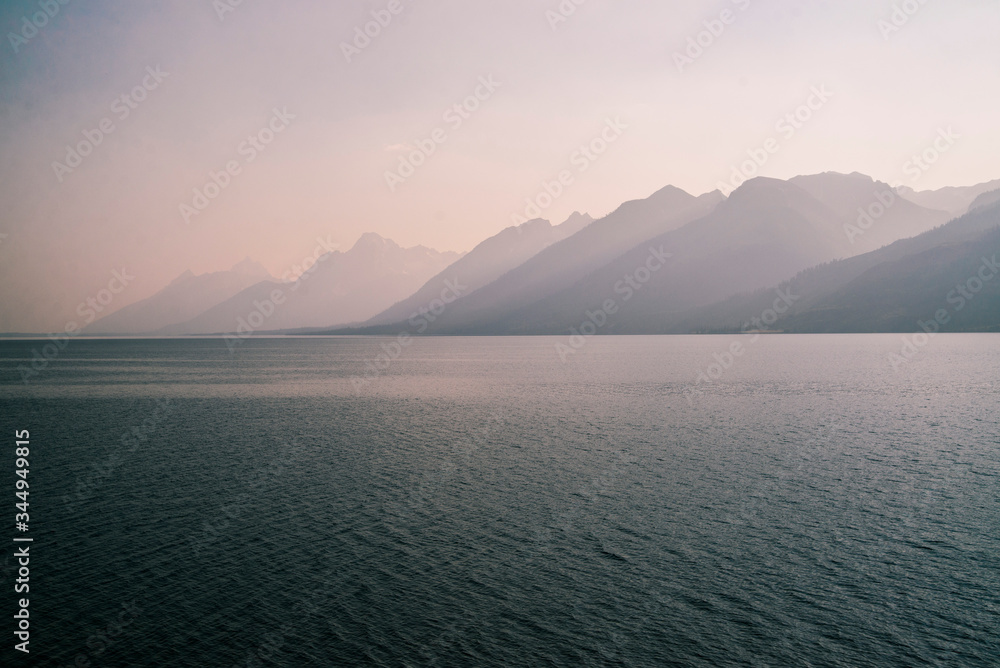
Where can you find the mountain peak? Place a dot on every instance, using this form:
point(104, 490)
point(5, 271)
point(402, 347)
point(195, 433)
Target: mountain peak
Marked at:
point(576, 216)
point(370, 241)
point(576, 222)
point(248, 267)
point(833, 178)
point(670, 195)
point(758, 185)
point(183, 277)
point(665, 198)
point(716, 197)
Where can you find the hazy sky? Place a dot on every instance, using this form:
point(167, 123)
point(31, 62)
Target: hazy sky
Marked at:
point(559, 83)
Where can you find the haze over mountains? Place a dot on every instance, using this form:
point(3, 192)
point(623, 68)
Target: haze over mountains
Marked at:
point(765, 232)
point(954, 200)
point(875, 214)
point(887, 290)
point(185, 298)
point(344, 287)
point(565, 263)
point(985, 199)
point(670, 263)
point(487, 262)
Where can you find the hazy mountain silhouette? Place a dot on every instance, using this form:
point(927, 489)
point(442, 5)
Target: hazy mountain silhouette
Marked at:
point(767, 231)
point(670, 263)
point(562, 264)
point(986, 199)
point(953, 199)
point(342, 287)
point(875, 215)
point(485, 263)
point(184, 298)
point(895, 296)
point(886, 290)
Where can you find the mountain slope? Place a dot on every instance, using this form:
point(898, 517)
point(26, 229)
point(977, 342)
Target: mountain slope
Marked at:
point(562, 264)
point(960, 282)
point(485, 263)
point(986, 199)
point(341, 288)
point(954, 200)
point(184, 298)
point(767, 231)
point(875, 214)
point(886, 290)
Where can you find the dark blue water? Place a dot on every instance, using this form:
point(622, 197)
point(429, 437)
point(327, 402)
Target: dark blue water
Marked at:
point(480, 502)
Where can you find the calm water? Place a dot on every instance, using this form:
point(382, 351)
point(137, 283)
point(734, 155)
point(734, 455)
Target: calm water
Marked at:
point(482, 503)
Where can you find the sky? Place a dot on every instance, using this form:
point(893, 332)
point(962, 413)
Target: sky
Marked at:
point(256, 128)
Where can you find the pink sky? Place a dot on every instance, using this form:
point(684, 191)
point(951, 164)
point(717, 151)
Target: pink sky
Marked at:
point(554, 86)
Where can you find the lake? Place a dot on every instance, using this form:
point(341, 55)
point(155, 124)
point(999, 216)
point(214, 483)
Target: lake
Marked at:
point(492, 502)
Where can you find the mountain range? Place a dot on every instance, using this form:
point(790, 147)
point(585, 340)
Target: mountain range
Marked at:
point(865, 257)
point(887, 290)
point(339, 287)
point(954, 200)
point(183, 299)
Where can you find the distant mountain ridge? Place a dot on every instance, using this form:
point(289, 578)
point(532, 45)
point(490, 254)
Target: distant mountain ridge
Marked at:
point(986, 199)
point(886, 290)
point(956, 200)
point(342, 287)
point(561, 265)
point(874, 213)
point(487, 262)
point(672, 262)
point(182, 299)
point(765, 232)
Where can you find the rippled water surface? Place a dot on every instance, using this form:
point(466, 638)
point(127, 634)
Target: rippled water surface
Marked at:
point(482, 502)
